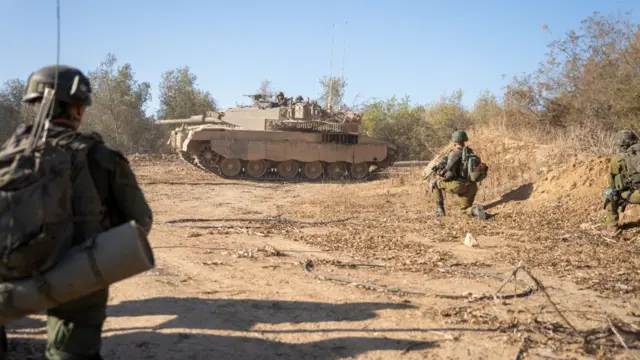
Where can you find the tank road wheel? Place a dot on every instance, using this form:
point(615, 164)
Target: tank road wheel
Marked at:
point(207, 156)
point(313, 170)
point(336, 170)
point(230, 167)
point(359, 170)
point(257, 168)
point(288, 169)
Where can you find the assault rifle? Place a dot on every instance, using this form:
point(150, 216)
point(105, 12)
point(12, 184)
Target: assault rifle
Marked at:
point(439, 166)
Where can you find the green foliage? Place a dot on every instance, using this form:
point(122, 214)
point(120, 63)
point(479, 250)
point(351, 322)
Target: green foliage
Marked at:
point(179, 96)
point(447, 115)
point(486, 109)
point(336, 89)
point(417, 130)
point(117, 111)
point(399, 122)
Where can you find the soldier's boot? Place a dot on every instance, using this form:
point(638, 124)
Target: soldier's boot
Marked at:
point(612, 223)
point(440, 210)
point(478, 211)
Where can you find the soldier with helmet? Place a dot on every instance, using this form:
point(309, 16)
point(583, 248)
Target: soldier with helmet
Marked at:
point(620, 191)
point(281, 100)
point(449, 177)
point(105, 194)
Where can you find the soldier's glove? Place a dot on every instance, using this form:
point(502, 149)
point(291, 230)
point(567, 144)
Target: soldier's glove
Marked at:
point(611, 195)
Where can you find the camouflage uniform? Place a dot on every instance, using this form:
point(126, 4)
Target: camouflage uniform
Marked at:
point(617, 180)
point(450, 180)
point(74, 329)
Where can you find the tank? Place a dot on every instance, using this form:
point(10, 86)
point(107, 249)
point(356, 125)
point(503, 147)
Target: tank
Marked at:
point(293, 140)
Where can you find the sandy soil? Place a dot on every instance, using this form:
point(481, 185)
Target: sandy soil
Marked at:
point(240, 269)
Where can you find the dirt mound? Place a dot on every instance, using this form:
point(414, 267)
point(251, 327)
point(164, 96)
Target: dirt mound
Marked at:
point(577, 179)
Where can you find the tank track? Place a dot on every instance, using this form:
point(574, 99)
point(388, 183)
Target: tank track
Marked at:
point(210, 165)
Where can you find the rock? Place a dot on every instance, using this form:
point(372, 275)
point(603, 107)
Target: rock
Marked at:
point(471, 241)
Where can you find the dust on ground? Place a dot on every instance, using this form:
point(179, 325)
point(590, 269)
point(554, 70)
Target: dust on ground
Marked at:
point(336, 270)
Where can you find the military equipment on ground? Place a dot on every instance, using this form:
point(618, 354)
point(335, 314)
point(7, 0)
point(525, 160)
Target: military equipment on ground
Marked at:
point(266, 141)
point(113, 255)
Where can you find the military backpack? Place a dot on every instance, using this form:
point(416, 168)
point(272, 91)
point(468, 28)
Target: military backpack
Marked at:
point(36, 208)
point(473, 169)
point(632, 161)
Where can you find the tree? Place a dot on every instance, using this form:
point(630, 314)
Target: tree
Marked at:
point(265, 88)
point(589, 79)
point(12, 110)
point(117, 110)
point(179, 96)
point(335, 88)
point(448, 114)
point(486, 109)
point(400, 123)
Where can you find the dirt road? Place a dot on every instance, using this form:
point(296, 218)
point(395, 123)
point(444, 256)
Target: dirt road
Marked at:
point(238, 265)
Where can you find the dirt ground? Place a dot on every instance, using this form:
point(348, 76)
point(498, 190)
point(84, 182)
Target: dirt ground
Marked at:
point(252, 271)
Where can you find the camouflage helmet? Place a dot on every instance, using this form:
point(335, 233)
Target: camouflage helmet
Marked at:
point(280, 94)
point(459, 136)
point(625, 138)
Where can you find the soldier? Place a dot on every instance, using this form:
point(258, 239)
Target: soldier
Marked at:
point(620, 192)
point(74, 329)
point(282, 101)
point(450, 179)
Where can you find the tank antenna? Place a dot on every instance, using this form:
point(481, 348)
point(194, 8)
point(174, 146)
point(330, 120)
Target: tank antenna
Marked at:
point(344, 50)
point(55, 85)
point(331, 71)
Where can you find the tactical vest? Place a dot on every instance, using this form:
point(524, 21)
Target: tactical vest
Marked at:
point(632, 161)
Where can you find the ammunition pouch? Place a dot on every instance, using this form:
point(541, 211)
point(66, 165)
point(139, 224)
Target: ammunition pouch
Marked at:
point(112, 256)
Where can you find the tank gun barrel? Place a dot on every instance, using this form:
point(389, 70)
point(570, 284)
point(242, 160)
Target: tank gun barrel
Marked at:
point(198, 120)
point(257, 97)
point(211, 117)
